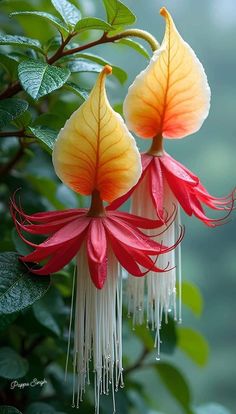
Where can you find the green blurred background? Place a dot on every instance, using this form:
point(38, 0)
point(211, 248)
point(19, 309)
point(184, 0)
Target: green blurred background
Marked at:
point(208, 254)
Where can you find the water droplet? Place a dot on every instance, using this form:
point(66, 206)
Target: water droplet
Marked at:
point(73, 405)
point(158, 358)
point(129, 315)
point(169, 310)
point(179, 321)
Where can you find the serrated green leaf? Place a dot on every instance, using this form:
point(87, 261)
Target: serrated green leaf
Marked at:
point(23, 120)
point(39, 79)
point(176, 384)
point(193, 344)
point(118, 14)
point(82, 65)
point(7, 409)
point(10, 109)
point(46, 16)
point(45, 135)
point(70, 13)
point(119, 73)
point(21, 41)
point(6, 320)
point(82, 93)
point(93, 23)
point(136, 46)
point(12, 365)
point(192, 297)
point(18, 287)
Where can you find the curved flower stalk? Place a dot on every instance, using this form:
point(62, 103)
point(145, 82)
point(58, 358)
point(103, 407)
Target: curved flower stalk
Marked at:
point(169, 99)
point(95, 155)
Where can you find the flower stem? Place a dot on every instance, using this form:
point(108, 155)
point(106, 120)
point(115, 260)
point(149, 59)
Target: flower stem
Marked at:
point(142, 34)
point(96, 208)
point(156, 148)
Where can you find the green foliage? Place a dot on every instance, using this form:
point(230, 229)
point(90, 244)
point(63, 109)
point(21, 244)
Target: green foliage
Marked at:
point(192, 298)
point(69, 13)
point(6, 409)
point(118, 14)
point(136, 46)
point(21, 41)
point(60, 25)
point(39, 79)
point(12, 365)
point(18, 287)
point(92, 23)
point(176, 384)
point(194, 345)
point(10, 109)
point(45, 135)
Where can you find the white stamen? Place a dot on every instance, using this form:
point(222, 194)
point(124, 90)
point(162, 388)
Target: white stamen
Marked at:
point(156, 292)
point(98, 332)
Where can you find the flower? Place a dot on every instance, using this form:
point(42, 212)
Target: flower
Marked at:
point(95, 155)
point(169, 99)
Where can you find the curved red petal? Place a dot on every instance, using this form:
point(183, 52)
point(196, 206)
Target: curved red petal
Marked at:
point(180, 190)
point(176, 169)
point(97, 252)
point(137, 221)
point(156, 187)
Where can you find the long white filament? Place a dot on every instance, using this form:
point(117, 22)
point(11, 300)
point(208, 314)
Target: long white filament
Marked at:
point(154, 295)
point(98, 332)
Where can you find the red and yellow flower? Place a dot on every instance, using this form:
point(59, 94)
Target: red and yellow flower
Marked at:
point(94, 155)
point(170, 99)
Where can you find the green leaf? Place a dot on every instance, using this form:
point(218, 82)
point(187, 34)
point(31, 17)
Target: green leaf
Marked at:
point(18, 287)
point(10, 109)
point(40, 408)
point(21, 247)
point(192, 298)
point(45, 135)
point(119, 73)
point(48, 309)
point(82, 93)
point(12, 365)
point(46, 16)
point(118, 14)
point(70, 14)
point(136, 46)
point(21, 41)
point(82, 65)
point(6, 320)
point(211, 408)
point(9, 63)
point(194, 345)
point(93, 23)
point(7, 409)
point(39, 78)
point(176, 384)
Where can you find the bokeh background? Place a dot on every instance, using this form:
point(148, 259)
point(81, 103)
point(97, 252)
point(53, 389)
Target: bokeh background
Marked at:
point(209, 26)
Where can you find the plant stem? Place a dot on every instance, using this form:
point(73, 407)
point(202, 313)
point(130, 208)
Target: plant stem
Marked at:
point(4, 134)
point(142, 34)
point(139, 363)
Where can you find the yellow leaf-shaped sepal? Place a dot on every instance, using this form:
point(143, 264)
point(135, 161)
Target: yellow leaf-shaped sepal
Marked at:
point(95, 150)
point(171, 97)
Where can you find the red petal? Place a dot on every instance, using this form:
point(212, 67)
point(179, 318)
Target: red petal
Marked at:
point(130, 236)
point(61, 257)
point(156, 187)
point(180, 190)
point(97, 252)
point(137, 221)
point(179, 170)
